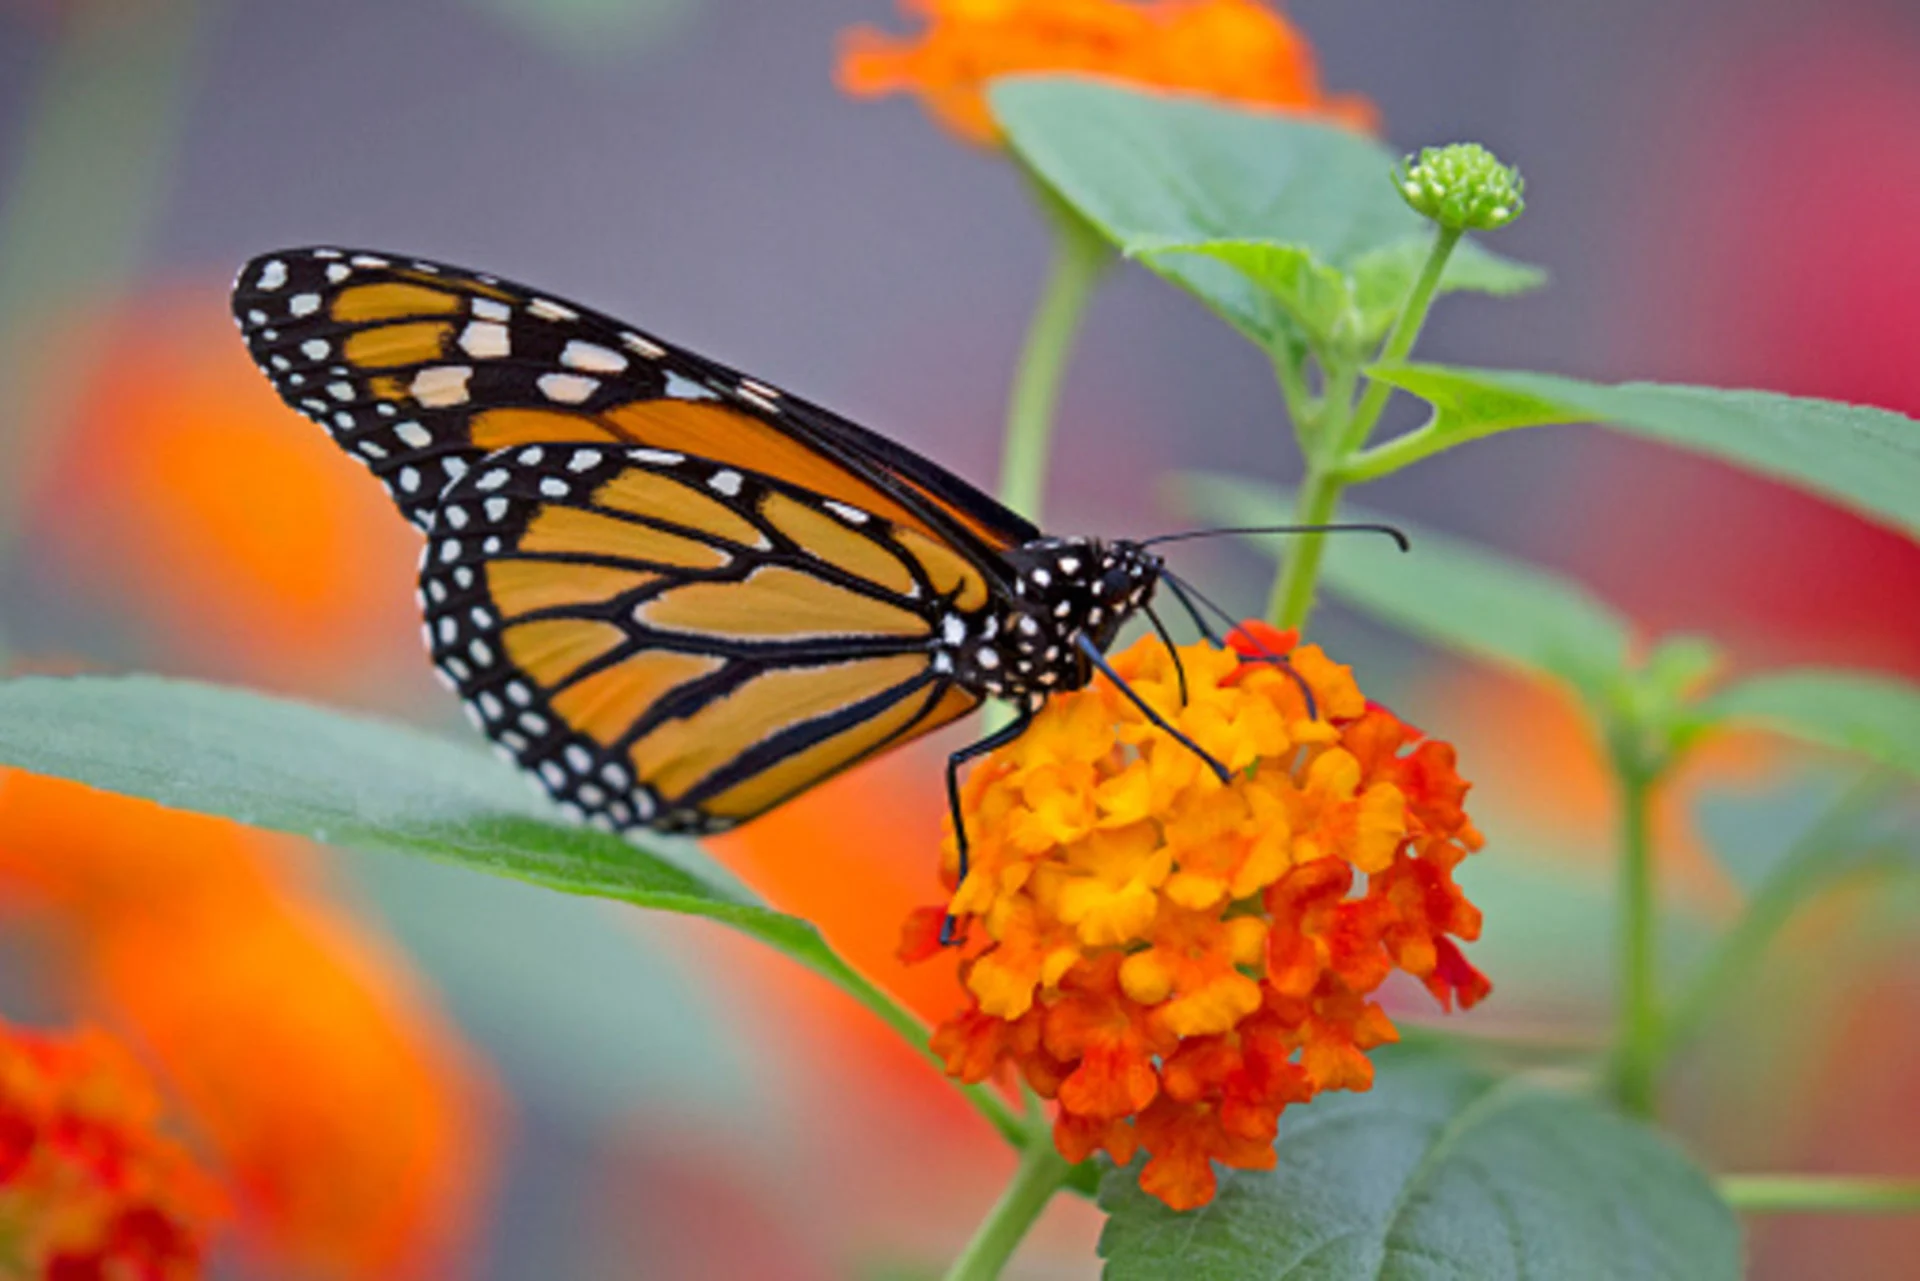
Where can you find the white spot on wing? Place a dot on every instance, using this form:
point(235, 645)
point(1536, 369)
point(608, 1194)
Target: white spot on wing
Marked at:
point(568, 389)
point(441, 385)
point(488, 309)
point(272, 276)
point(726, 482)
point(315, 349)
point(592, 357)
point(852, 515)
point(686, 389)
point(651, 350)
point(484, 340)
point(413, 435)
point(548, 309)
point(304, 304)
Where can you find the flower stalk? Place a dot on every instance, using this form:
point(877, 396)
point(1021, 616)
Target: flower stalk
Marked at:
point(1042, 1172)
point(1079, 258)
point(1821, 1194)
point(1638, 1040)
point(1341, 433)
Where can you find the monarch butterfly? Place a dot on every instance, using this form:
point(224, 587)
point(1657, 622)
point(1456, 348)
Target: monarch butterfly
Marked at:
point(673, 593)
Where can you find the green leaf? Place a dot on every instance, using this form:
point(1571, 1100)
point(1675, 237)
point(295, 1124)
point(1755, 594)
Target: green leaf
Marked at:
point(1445, 590)
point(1876, 717)
point(373, 785)
point(1865, 459)
point(356, 782)
point(1194, 187)
point(1440, 1171)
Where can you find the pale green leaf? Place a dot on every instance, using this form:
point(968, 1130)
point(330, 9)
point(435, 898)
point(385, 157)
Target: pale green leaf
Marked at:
point(1167, 176)
point(1862, 458)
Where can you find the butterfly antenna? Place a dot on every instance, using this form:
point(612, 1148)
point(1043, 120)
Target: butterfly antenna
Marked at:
point(1086, 646)
point(1200, 622)
point(1173, 652)
point(1345, 527)
point(1181, 586)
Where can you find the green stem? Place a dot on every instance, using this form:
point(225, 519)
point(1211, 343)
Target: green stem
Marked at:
point(1413, 317)
point(985, 1099)
point(1042, 1172)
point(1394, 455)
point(1319, 496)
point(1637, 1042)
point(1342, 432)
point(1821, 1194)
point(1739, 951)
point(1079, 256)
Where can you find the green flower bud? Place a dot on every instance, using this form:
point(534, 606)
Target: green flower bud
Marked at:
point(1463, 187)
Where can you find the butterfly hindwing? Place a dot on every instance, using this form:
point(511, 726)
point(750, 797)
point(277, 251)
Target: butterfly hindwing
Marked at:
point(419, 369)
point(676, 642)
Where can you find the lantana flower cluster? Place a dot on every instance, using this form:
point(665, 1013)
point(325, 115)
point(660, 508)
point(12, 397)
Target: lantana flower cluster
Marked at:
point(1238, 50)
point(88, 1187)
point(1174, 960)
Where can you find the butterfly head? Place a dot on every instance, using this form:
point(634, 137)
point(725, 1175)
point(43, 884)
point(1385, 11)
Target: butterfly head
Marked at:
point(1064, 588)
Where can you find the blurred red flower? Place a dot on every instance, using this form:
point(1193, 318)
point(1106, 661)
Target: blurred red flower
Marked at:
point(185, 498)
point(347, 1121)
point(1239, 50)
point(89, 1187)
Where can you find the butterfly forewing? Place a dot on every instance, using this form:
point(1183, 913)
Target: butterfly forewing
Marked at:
point(419, 369)
point(677, 642)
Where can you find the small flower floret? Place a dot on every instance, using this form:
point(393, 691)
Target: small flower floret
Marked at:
point(1463, 187)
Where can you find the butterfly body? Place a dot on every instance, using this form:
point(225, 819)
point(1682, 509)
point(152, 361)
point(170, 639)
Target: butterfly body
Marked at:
point(673, 593)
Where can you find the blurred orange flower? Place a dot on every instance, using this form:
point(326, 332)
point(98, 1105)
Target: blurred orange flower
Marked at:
point(1175, 960)
point(191, 502)
point(346, 1119)
point(88, 1185)
point(1239, 50)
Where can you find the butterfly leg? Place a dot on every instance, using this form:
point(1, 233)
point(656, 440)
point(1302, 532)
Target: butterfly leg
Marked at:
point(999, 738)
point(1180, 589)
point(1085, 644)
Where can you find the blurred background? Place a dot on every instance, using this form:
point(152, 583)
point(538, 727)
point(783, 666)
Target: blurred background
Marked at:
point(410, 1071)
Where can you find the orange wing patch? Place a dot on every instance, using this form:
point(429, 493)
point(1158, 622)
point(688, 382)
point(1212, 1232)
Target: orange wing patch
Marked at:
point(499, 428)
point(551, 650)
point(390, 345)
point(575, 531)
point(605, 705)
point(946, 569)
point(834, 543)
point(389, 300)
point(725, 435)
point(645, 493)
point(524, 586)
point(775, 602)
point(677, 755)
point(831, 755)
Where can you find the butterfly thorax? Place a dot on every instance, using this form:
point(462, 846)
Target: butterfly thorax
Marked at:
point(1063, 588)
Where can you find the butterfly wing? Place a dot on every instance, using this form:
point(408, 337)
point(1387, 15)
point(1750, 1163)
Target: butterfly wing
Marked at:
point(679, 643)
point(420, 369)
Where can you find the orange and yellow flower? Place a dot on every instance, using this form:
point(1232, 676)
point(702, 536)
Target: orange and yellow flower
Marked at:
point(89, 1187)
point(1174, 960)
point(1239, 50)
